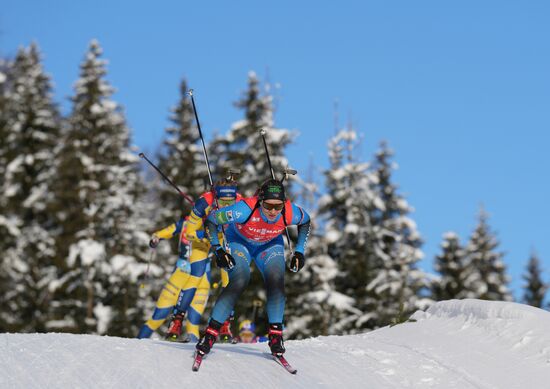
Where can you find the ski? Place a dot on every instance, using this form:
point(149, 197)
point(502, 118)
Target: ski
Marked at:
point(282, 360)
point(178, 340)
point(197, 362)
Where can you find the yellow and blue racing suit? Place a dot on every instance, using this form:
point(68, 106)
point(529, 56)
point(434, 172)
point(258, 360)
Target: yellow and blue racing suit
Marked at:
point(177, 281)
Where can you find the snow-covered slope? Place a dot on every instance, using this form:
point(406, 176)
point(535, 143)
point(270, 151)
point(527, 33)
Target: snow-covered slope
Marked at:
point(455, 344)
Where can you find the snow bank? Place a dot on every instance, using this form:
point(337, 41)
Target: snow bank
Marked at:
point(519, 330)
point(454, 344)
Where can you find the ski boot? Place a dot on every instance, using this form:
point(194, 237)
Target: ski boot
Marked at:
point(225, 332)
point(174, 329)
point(276, 343)
point(210, 335)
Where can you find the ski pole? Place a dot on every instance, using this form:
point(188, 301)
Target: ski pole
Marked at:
point(186, 197)
point(151, 256)
point(262, 133)
point(287, 171)
point(230, 266)
point(202, 138)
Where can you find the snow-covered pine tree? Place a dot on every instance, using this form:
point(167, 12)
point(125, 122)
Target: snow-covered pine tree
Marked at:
point(400, 287)
point(534, 288)
point(8, 229)
point(98, 192)
point(313, 304)
point(487, 279)
point(452, 269)
point(4, 130)
point(314, 307)
point(347, 209)
point(243, 144)
point(31, 124)
point(181, 159)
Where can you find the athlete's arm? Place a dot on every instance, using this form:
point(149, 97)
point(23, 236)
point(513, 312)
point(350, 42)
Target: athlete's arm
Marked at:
point(301, 218)
point(194, 229)
point(236, 213)
point(170, 231)
point(194, 224)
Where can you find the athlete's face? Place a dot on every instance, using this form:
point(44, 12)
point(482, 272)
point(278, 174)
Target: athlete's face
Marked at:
point(225, 201)
point(272, 208)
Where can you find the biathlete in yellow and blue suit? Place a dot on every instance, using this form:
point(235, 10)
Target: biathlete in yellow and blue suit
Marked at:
point(223, 194)
point(169, 295)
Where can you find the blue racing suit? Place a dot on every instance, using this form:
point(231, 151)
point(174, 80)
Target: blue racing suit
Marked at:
point(251, 236)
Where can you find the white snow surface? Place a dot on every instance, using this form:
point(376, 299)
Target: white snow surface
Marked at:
point(454, 344)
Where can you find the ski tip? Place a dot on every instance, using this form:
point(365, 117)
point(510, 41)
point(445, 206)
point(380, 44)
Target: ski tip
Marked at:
point(197, 362)
point(282, 360)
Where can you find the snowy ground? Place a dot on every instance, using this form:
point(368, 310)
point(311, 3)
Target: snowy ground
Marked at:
point(455, 344)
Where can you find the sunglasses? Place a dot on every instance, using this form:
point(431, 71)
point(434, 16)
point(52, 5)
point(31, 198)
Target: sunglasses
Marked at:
point(225, 203)
point(269, 207)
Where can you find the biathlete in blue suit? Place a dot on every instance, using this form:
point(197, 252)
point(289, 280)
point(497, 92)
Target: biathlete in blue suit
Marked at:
point(254, 228)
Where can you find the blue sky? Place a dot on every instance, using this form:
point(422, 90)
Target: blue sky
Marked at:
point(460, 90)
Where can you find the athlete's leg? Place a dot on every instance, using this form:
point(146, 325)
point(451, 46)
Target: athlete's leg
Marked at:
point(225, 332)
point(239, 276)
point(196, 309)
point(270, 261)
point(165, 303)
point(198, 259)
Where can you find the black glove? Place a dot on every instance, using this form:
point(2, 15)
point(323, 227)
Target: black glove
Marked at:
point(297, 262)
point(223, 259)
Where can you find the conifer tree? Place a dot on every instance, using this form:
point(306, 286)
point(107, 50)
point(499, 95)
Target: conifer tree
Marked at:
point(4, 130)
point(8, 229)
point(7, 137)
point(348, 208)
point(487, 279)
point(181, 159)
point(317, 308)
point(243, 144)
point(535, 288)
point(451, 266)
point(98, 191)
point(313, 306)
point(399, 287)
point(30, 130)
